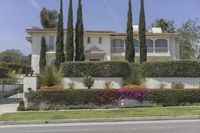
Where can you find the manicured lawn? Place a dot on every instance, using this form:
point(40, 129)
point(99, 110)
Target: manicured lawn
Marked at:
point(117, 113)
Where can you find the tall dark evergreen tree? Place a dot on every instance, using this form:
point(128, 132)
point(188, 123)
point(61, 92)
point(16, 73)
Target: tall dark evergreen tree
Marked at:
point(80, 56)
point(42, 62)
point(60, 56)
point(142, 34)
point(130, 49)
point(70, 35)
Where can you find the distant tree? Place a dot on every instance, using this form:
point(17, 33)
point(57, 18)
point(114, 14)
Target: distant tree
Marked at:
point(130, 50)
point(80, 56)
point(189, 35)
point(26, 60)
point(48, 18)
point(42, 62)
point(70, 35)
point(142, 34)
point(60, 56)
point(165, 25)
point(12, 56)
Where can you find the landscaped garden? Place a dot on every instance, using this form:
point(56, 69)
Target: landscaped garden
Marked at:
point(51, 94)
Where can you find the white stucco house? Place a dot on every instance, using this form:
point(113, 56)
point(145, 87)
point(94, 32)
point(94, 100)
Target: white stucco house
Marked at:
point(106, 45)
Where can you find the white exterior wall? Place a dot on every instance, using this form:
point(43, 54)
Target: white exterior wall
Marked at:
point(117, 83)
point(105, 46)
point(30, 82)
point(189, 83)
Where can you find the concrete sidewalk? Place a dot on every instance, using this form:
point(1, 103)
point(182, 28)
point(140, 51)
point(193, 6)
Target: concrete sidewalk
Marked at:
point(8, 108)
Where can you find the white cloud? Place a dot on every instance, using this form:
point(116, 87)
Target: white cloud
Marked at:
point(35, 4)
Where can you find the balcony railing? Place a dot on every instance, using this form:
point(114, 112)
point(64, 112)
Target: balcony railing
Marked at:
point(161, 50)
point(117, 50)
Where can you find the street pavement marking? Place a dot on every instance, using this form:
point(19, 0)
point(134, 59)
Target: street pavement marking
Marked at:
point(58, 131)
point(98, 123)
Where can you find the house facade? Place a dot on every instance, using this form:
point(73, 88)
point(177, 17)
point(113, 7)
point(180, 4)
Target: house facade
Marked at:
point(106, 45)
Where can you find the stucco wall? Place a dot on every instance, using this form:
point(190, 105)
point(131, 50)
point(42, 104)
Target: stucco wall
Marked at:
point(117, 83)
point(30, 82)
point(105, 45)
point(189, 83)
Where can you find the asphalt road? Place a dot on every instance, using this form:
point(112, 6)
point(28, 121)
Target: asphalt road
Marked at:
point(170, 126)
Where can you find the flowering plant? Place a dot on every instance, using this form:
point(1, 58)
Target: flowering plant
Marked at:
point(111, 96)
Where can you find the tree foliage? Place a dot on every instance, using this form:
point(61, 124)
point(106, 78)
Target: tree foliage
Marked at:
point(189, 35)
point(48, 18)
point(70, 35)
point(165, 25)
point(42, 62)
point(142, 34)
point(12, 56)
point(79, 35)
point(130, 50)
point(60, 56)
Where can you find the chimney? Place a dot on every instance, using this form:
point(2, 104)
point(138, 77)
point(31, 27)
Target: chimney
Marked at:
point(156, 30)
point(135, 28)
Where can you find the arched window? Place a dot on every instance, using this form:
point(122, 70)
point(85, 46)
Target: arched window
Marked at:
point(117, 46)
point(149, 44)
point(161, 46)
point(137, 46)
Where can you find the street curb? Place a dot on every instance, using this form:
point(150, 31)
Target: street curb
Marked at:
point(154, 118)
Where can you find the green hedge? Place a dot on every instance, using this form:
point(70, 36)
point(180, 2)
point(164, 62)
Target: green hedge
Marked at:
point(95, 69)
point(173, 97)
point(67, 97)
point(109, 97)
point(183, 68)
point(3, 72)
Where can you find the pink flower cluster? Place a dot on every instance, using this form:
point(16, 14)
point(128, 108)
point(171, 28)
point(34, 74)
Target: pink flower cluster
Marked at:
point(109, 96)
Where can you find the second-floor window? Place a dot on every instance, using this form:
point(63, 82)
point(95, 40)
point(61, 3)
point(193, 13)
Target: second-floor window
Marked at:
point(51, 43)
point(100, 40)
point(117, 46)
point(161, 46)
point(89, 40)
point(149, 44)
point(137, 46)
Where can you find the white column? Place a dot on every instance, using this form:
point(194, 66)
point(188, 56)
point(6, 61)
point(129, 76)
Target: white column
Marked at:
point(30, 82)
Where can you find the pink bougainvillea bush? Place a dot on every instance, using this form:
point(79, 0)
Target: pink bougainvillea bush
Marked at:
point(110, 96)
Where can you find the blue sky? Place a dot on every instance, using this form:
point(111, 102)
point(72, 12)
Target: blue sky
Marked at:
point(17, 15)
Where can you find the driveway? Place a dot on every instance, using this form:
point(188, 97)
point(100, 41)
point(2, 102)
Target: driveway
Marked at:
point(8, 108)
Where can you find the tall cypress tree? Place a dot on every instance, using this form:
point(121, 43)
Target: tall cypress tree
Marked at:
point(130, 50)
point(42, 62)
point(80, 56)
point(142, 34)
point(70, 35)
point(60, 56)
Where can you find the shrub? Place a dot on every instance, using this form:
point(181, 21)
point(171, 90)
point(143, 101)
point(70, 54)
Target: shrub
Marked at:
point(108, 85)
point(3, 72)
point(95, 69)
point(88, 82)
point(173, 97)
point(101, 98)
point(135, 76)
point(133, 86)
point(182, 68)
point(21, 106)
point(49, 77)
point(19, 69)
point(177, 86)
point(71, 85)
point(162, 86)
